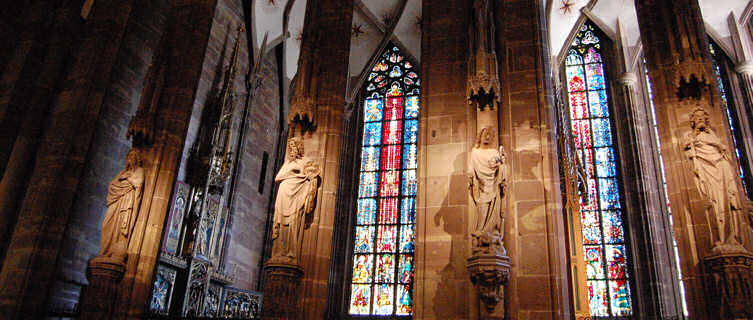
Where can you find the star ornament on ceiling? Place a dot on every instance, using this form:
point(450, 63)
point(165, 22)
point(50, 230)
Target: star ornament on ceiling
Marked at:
point(567, 6)
point(357, 30)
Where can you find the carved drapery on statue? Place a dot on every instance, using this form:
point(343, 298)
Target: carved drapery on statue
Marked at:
point(715, 178)
point(488, 265)
point(487, 181)
point(482, 88)
point(123, 201)
point(296, 199)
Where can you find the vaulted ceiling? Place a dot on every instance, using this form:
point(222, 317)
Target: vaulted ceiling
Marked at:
point(373, 18)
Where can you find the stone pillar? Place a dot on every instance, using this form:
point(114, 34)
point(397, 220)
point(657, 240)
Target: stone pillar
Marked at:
point(281, 291)
point(745, 70)
point(679, 64)
point(43, 213)
point(97, 301)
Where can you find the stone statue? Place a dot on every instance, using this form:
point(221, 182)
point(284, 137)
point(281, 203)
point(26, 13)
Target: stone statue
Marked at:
point(296, 198)
point(716, 179)
point(487, 182)
point(123, 201)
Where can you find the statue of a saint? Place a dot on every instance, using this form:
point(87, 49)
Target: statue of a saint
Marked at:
point(296, 198)
point(487, 182)
point(716, 180)
point(123, 201)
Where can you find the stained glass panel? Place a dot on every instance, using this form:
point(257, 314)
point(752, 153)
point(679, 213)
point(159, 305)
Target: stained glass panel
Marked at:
point(407, 238)
point(387, 211)
point(364, 239)
point(372, 133)
point(386, 239)
point(383, 299)
point(360, 299)
point(362, 265)
point(385, 268)
point(384, 236)
point(367, 209)
point(597, 298)
point(603, 236)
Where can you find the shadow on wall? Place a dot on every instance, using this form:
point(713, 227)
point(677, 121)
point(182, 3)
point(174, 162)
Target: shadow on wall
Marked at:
point(450, 298)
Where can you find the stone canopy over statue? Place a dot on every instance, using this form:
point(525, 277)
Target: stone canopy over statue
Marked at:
point(123, 201)
point(296, 198)
point(716, 179)
point(487, 177)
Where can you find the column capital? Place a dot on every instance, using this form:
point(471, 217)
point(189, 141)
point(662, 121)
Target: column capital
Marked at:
point(745, 68)
point(628, 79)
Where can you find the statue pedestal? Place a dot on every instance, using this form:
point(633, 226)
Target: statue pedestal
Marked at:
point(729, 276)
point(489, 272)
point(104, 275)
point(281, 285)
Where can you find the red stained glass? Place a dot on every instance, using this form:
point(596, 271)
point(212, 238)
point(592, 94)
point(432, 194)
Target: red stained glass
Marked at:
point(394, 109)
point(582, 133)
point(388, 211)
point(391, 157)
point(578, 105)
point(390, 184)
point(392, 132)
point(386, 239)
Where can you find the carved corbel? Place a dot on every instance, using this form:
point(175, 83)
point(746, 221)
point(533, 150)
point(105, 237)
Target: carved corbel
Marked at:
point(489, 273)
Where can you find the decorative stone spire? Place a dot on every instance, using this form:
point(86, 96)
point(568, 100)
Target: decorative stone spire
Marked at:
point(482, 88)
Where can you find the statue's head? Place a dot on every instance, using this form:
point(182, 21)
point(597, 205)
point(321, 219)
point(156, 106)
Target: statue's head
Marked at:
point(133, 159)
point(484, 138)
point(295, 148)
point(699, 119)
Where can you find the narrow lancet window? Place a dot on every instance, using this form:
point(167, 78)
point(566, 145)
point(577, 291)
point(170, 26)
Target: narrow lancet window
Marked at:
point(601, 215)
point(385, 218)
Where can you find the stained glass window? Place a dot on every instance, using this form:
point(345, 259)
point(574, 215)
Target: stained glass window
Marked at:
point(604, 247)
point(385, 232)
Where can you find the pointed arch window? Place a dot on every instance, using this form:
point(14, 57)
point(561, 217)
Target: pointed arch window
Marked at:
point(382, 274)
point(603, 244)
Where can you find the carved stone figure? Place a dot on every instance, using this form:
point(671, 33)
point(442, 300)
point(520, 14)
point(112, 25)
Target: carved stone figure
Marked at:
point(123, 201)
point(296, 198)
point(716, 180)
point(487, 181)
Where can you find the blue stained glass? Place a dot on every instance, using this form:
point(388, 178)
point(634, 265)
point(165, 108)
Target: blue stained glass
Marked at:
point(613, 227)
point(372, 133)
point(364, 241)
point(367, 209)
point(605, 162)
point(372, 109)
point(404, 300)
point(595, 76)
point(573, 58)
point(370, 159)
point(411, 107)
point(368, 186)
point(598, 103)
point(406, 268)
point(410, 157)
point(408, 210)
point(609, 194)
point(409, 182)
point(410, 131)
point(396, 72)
point(407, 238)
point(372, 76)
point(602, 132)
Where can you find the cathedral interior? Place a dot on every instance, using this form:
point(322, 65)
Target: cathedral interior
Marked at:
point(376, 159)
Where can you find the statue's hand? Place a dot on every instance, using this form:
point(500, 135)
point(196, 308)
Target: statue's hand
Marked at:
point(275, 231)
